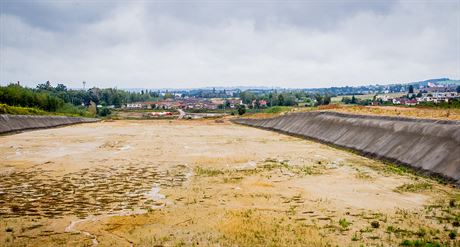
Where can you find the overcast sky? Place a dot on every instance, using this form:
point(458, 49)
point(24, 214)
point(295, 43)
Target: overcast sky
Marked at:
point(158, 44)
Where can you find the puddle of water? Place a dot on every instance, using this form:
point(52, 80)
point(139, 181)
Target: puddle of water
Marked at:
point(188, 174)
point(247, 166)
point(125, 147)
point(155, 193)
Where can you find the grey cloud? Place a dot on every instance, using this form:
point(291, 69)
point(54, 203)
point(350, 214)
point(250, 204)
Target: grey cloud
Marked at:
point(184, 44)
point(57, 15)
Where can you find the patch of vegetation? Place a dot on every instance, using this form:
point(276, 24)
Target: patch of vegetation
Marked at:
point(399, 232)
point(271, 164)
point(241, 110)
point(420, 243)
point(17, 110)
point(356, 237)
point(344, 223)
point(375, 224)
point(38, 101)
point(65, 110)
point(415, 187)
point(396, 169)
point(232, 179)
point(445, 211)
point(421, 232)
point(366, 229)
point(362, 175)
point(104, 112)
point(207, 172)
point(255, 228)
point(277, 109)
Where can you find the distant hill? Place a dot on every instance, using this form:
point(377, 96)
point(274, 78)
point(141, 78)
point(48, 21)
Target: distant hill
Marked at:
point(439, 81)
point(234, 91)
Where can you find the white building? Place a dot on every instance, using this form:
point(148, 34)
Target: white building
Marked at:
point(134, 105)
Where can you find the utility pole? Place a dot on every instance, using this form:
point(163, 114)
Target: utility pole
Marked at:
point(84, 85)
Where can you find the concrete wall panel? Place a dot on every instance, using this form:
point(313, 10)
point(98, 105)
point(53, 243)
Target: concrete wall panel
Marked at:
point(13, 123)
point(432, 146)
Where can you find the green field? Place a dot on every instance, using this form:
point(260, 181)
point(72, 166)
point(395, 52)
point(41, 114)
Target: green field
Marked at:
point(338, 99)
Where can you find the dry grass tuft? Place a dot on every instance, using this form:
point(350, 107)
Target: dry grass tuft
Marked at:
point(255, 228)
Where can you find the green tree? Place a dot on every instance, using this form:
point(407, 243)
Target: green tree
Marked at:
point(95, 95)
point(346, 100)
point(289, 100)
point(104, 111)
point(247, 97)
point(280, 99)
point(241, 109)
point(326, 100)
point(411, 89)
point(270, 99)
point(45, 86)
point(169, 96)
point(61, 87)
point(353, 100)
point(319, 99)
point(257, 104)
point(92, 109)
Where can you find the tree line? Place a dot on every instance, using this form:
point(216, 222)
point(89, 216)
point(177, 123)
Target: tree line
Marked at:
point(76, 101)
point(287, 98)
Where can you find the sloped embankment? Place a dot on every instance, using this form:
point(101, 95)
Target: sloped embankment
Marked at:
point(428, 145)
point(12, 123)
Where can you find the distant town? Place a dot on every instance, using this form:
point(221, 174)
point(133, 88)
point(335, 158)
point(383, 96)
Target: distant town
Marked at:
point(434, 91)
point(56, 98)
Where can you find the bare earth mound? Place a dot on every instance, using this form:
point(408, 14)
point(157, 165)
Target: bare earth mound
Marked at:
point(174, 183)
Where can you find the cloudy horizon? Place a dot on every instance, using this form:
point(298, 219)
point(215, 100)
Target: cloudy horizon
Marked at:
point(147, 44)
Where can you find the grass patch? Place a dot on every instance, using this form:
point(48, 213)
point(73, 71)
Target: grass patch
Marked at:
point(65, 110)
point(271, 164)
point(415, 187)
point(236, 175)
point(344, 223)
point(254, 228)
point(421, 243)
point(277, 109)
point(207, 172)
point(356, 237)
point(315, 169)
point(233, 179)
point(362, 175)
point(16, 110)
point(396, 169)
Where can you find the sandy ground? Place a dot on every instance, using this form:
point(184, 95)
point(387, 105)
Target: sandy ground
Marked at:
point(204, 183)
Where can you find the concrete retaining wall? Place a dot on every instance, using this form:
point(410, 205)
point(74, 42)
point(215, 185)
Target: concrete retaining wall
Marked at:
point(427, 145)
point(13, 123)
